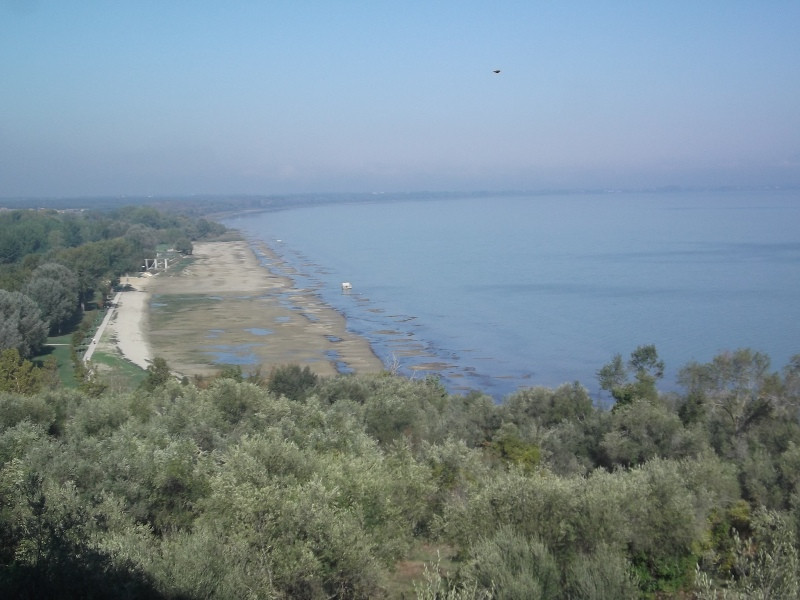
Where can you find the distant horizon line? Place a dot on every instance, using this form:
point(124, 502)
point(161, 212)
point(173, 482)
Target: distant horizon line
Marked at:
point(476, 192)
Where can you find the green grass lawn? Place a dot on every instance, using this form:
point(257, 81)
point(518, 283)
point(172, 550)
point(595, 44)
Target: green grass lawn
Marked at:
point(118, 369)
point(113, 368)
point(60, 348)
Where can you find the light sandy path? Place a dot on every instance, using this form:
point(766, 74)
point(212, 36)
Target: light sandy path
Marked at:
point(87, 356)
point(128, 324)
point(226, 308)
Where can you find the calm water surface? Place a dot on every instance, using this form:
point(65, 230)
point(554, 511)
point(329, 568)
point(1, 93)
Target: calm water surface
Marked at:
point(497, 293)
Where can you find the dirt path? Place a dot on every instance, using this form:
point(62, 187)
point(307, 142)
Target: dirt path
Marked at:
point(100, 330)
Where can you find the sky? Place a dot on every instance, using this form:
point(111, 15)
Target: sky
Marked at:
point(168, 97)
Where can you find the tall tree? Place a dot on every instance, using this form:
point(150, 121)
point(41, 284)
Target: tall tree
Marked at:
point(18, 375)
point(54, 288)
point(646, 369)
point(736, 389)
point(142, 237)
point(21, 324)
point(158, 373)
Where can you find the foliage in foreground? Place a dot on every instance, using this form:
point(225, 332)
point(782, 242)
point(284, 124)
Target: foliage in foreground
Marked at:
point(320, 488)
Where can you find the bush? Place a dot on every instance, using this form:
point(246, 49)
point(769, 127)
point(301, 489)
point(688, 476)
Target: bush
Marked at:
point(510, 566)
point(291, 381)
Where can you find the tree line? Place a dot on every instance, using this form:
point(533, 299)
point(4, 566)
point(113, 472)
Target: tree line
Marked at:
point(293, 486)
point(56, 264)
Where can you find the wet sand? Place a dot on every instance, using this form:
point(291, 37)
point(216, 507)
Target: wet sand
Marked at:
point(222, 307)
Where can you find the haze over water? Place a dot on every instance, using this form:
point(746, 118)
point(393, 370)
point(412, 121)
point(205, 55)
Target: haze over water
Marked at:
point(501, 292)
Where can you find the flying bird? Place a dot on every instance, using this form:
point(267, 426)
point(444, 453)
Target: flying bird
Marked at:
point(496, 71)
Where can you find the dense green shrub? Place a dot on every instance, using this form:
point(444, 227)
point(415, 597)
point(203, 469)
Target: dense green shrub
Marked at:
point(291, 381)
point(345, 489)
point(509, 566)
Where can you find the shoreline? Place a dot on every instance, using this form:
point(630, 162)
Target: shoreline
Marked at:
point(227, 307)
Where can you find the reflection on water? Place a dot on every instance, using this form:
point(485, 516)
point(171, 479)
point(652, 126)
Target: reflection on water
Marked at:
point(506, 292)
point(238, 354)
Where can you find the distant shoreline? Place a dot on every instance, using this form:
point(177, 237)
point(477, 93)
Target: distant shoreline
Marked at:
point(218, 206)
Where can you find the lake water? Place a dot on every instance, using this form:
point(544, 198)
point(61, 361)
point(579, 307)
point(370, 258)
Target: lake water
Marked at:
point(498, 293)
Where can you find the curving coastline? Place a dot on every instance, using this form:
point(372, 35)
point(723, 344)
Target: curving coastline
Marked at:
point(226, 307)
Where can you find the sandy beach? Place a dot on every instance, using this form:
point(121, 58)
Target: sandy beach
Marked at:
point(222, 307)
point(127, 325)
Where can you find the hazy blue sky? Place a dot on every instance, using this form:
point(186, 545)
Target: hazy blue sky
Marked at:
point(178, 97)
